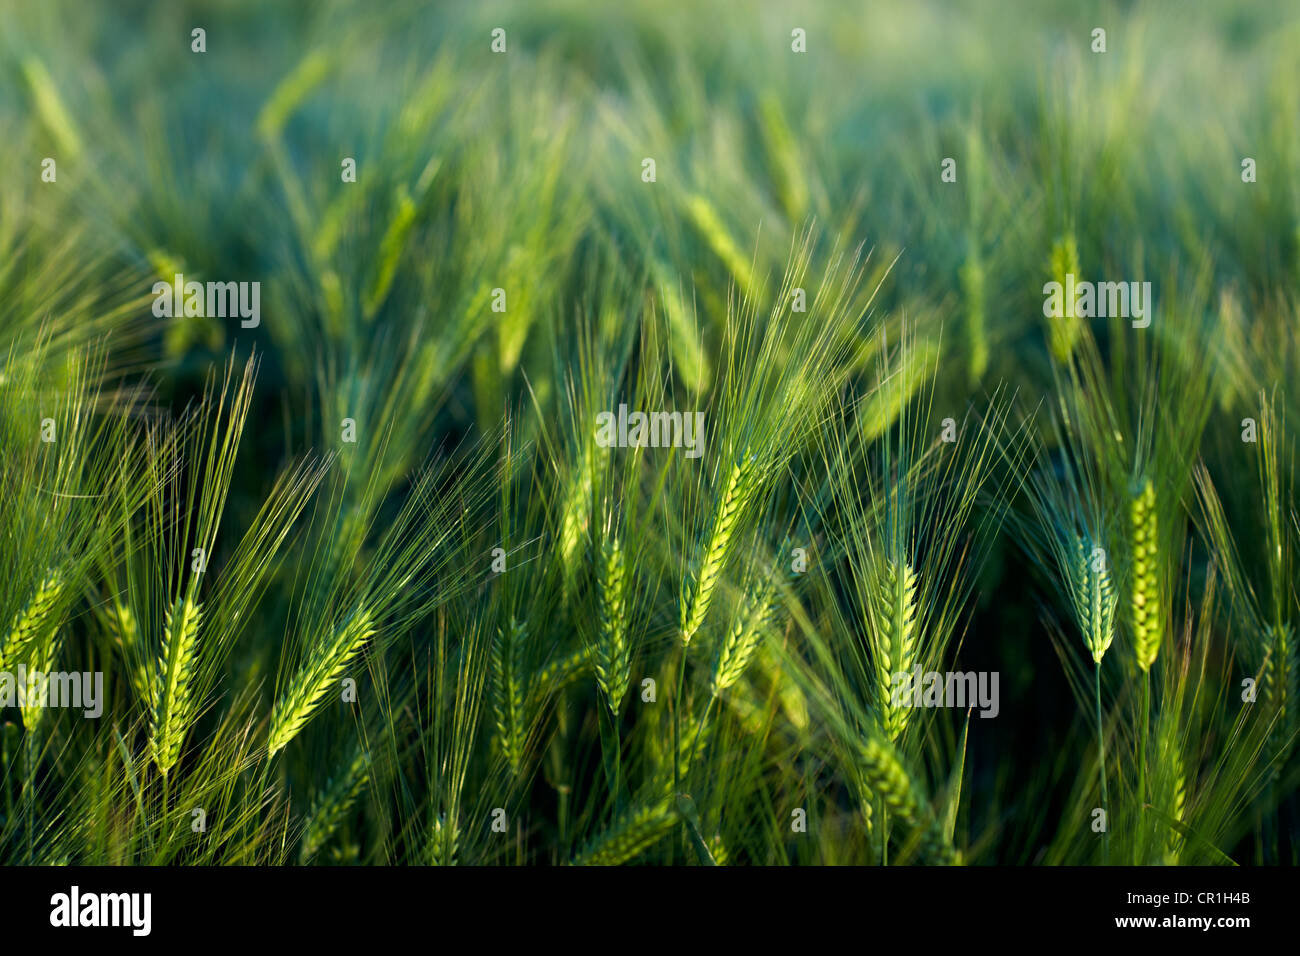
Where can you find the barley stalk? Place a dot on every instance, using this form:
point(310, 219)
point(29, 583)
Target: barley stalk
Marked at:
point(32, 621)
point(613, 657)
point(300, 700)
point(1144, 598)
point(508, 690)
point(698, 593)
point(630, 836)
point(173, 702)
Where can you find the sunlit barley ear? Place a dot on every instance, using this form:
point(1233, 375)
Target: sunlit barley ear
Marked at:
point(893, 622)
point(1094, 598)
point(174, 703)
point(1065, 328)
point(630, 836)
point(698, 589)
point(49, 170)
point(575, 520)
point(199, 40)
point(444, 842)
point(1098, 40)
point(124, 630)
point(886, 777)
point(613, 656)
point(1247, 170)
point(314, 679)
point(33, 698)
point(1144, 593)
point(948, 170)
point(744, 636)
point(34, 621)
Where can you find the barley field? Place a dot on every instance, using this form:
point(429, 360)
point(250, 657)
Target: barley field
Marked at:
point(669, 433)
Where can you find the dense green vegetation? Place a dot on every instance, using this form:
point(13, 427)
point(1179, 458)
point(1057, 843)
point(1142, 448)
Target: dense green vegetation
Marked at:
point(363, 580)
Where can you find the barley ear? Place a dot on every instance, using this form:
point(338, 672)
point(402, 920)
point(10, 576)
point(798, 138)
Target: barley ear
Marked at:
point(613, 657)
point(331, 805)
point(124, 630)
point(444, 842)
point(1279, 679)
point(887, 778)
point(574, 521)
point(40, 662)
point(894, 620)
point(1094, 599)
point(32, 621)
point(173, 704)
point(631, 835)
point(508, 695)
point(554, 677)
point(1173, 793)
point(1065, 330)
point(1144, 597)
point(303, 696)
point(697, 592)
point(744, 637)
